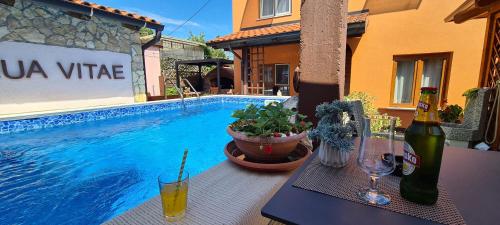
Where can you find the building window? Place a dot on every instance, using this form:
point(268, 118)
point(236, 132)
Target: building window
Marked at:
point(411, 72)
point(282, 74)
point(272, 8)
point(403, 82)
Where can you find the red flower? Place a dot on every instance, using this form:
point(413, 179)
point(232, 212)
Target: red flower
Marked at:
point(268, 149)
point(276, 134)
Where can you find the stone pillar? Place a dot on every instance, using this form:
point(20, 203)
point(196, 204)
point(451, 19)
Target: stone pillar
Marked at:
point(322, 59)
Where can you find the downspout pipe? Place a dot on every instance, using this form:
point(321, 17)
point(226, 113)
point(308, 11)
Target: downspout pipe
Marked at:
point(145, 46)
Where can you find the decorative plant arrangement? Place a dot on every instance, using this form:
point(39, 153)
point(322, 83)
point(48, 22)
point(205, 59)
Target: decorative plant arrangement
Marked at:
point(266, 133)
point(451, 114)
point(335, 131)
point(271, 120)
point(470, 95)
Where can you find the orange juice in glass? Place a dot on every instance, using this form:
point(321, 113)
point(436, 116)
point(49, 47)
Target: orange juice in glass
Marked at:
point(174, 195)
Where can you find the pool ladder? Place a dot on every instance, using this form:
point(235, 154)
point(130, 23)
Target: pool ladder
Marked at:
point(180, 93)
point(190, 85)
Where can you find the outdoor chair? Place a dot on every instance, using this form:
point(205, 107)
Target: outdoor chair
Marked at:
point(474, 125)
point(291, 103)
point(357, 115)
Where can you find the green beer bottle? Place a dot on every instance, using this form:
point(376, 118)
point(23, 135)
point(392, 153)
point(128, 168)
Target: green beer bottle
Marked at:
point(423, 150)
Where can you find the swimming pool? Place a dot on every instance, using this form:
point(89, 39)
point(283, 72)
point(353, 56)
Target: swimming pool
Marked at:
point(90, 171)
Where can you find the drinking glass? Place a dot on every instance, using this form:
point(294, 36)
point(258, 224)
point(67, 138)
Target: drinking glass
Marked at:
point(174, 195)
point(376, 155)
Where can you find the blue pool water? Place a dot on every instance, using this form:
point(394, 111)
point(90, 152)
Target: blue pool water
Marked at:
point(90, 172)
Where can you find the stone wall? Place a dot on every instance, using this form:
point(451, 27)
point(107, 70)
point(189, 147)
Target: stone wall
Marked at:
point(181, 51)
point(34, 22)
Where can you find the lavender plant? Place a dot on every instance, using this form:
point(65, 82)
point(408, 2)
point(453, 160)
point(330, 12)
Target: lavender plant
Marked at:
point(334, 126)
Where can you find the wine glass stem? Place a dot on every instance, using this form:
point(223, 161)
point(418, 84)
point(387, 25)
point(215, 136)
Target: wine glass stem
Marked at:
point(374, 183)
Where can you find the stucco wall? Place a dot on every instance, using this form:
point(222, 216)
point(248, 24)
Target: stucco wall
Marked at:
point(246, 13)
point(415, 32)
point(153, 70)
point(277, 54)
point(283, 54)
point(33, 22)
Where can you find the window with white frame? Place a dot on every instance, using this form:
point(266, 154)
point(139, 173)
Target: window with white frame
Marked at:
point(282, 74)
point(272, 8)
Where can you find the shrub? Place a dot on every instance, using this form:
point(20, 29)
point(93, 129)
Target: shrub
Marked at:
point(470, 95)
point(171, 91)
point(366, 99)
point(369, 109)
point(451, 114)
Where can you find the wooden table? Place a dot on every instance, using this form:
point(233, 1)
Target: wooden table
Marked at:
point(471, 177)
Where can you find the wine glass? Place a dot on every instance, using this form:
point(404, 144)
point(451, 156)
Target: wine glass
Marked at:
point(376, 155)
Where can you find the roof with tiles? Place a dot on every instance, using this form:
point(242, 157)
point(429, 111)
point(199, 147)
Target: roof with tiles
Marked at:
point(112, 10)
point(145, 39)
point(280, 29)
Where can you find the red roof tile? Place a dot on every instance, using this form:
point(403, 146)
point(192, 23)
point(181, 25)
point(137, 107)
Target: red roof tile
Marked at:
point(278, 29)
point(113, 10)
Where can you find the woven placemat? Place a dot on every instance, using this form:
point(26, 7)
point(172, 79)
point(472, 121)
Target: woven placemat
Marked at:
point(344, 183)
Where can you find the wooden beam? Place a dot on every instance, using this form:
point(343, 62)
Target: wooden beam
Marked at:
point(177, 75)
point(218, 75)
point(485, 3)
point(235, 54)
point(469, 14)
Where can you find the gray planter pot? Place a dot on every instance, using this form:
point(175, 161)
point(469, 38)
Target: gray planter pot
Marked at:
point(332, 157)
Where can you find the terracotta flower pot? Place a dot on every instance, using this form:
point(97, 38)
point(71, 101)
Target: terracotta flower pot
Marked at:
point(268, 149)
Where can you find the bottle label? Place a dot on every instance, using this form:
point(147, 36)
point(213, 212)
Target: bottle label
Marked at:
point(424, 106)
point(410, 159)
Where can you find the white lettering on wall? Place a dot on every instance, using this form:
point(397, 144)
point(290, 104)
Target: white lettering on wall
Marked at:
point(41, 75)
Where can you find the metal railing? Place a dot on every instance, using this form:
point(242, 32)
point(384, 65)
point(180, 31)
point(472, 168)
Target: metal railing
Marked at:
point(178, 91)
point(190, 85)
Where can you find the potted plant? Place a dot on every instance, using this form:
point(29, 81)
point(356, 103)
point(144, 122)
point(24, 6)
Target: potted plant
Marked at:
point(267, 133)
point(470, 95)
point(451, 114)
point(335, 131)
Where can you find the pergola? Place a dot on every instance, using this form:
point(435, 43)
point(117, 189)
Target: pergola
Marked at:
point(201, 62)
point(490, 66)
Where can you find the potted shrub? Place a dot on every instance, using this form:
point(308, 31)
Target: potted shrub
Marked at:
point(451, 114)
point(266, 133)
point(335, 131)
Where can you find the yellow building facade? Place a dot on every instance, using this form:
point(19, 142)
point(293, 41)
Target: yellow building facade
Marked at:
point(394, 48)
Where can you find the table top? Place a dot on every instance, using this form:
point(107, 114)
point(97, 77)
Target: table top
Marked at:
point(471, 178)
point(224, 194)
